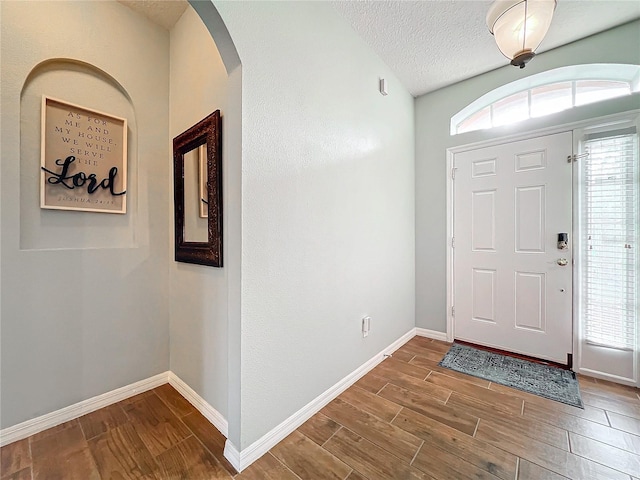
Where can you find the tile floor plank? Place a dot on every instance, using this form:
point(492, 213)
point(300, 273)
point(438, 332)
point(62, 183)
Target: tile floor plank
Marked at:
point(308, 460)
point(190, 460)
point(157, 426)
point(412, 383)
point(444, 465)
point(531, 471)
point(434, 367)
point(371, 382)
point(392, 364)
point(524, 426)
point(24, 474)
point(58, 442)
point(319, 428)
point(501, 401)
point(356, 476)
point(624, 423)
point(100, 421)
point(402, 356)
point(371, 403)
point(63, 453)
point(605, 454)
point(127, 402)
point(434, 345)
point(458, 419)
point(370, 460)
point(14, 457)
point(412, 349)
point(267, 467)
point(54, 430)
point(481, 454)
point(629, 409)
point(120, 453)
point(549, 457)
point(176, 402)
point(616, 392)
point(388, 437)
point(210, 437)
point(586, 428)
point(590, 413)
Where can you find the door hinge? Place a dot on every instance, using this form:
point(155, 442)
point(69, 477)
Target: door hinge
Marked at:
point(453, 173)
point(453, 311)
point(576, 157)
point(453, 242)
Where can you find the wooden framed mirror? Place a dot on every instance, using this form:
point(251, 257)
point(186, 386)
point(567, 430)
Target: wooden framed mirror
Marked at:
point(197, 180)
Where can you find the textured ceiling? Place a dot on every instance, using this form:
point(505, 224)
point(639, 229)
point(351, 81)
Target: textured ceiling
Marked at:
point(162, 12)
point(433, 43)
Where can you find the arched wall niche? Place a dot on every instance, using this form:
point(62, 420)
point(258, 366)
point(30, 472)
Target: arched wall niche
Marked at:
point(84, 84)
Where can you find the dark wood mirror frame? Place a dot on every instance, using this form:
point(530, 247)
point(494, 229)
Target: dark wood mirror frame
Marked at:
point(206, 131)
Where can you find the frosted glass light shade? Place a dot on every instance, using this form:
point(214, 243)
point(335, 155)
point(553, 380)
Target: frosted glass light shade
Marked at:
point(519, 27)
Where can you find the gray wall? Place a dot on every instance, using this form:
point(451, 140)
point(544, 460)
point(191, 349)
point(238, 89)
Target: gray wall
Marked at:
point(327, 206)
point(433, 113)
point(85, 303)
point(199, 331)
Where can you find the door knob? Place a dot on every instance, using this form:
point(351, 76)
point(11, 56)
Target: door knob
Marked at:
point(562, 262)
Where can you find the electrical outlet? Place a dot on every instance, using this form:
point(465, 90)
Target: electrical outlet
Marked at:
point(366, 325)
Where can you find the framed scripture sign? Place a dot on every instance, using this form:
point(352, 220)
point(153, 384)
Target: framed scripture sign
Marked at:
point(83, 159)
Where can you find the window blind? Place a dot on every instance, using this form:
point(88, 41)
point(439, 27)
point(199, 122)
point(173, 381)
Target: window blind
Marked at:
point(610, 239)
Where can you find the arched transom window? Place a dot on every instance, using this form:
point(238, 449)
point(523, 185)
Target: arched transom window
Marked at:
point(546, 93)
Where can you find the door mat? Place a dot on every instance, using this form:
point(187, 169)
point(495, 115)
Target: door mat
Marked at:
point(543, 380)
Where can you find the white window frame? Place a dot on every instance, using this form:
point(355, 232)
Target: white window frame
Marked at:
point(629, 74)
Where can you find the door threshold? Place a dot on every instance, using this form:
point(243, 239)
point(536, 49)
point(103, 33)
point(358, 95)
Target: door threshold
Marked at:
point(515, 355)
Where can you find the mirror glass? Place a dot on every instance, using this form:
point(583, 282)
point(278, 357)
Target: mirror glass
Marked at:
point(195, 195)
point(197, 190)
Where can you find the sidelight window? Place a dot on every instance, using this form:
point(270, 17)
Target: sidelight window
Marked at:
point(609, 239)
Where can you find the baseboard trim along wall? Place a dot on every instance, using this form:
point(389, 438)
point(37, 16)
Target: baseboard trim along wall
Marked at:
point(242, 459)
point(38, 424)
point(200, 404)
point(49, 420)
point(424, 332)
point(239, 459)
point(606, 376)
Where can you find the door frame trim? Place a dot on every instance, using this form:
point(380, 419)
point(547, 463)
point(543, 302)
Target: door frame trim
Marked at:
point(450, 192)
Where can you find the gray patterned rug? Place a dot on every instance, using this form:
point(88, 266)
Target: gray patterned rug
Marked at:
point(543, 380)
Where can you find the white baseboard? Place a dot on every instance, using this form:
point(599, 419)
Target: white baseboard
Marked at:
point(423, 332)
point(239, 459)
point(38, 424)
point(242, 459)
point(200, 404)
point(232, 454)
point(606, 376)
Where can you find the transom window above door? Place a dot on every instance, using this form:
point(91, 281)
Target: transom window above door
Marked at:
point(546, 93)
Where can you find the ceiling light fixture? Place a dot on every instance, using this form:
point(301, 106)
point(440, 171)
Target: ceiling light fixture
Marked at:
point(519, 27)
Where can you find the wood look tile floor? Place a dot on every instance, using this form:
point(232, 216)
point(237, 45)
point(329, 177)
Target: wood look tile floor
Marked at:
point(406, 419)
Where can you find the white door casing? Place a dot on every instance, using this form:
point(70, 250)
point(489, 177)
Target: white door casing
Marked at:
point(510, 203)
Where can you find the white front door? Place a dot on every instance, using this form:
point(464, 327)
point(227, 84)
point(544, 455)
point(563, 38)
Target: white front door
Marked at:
point(512, 284)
